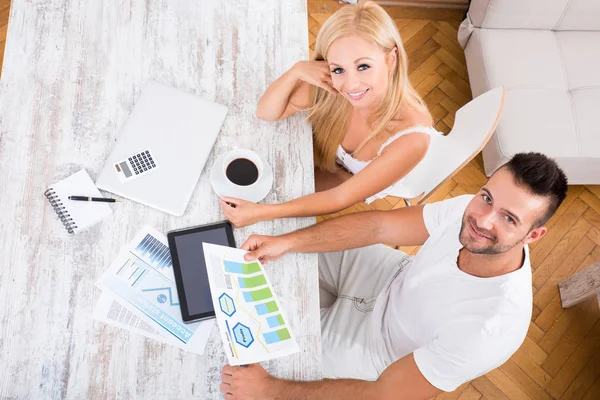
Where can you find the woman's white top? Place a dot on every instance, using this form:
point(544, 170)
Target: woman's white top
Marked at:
point(354, 166)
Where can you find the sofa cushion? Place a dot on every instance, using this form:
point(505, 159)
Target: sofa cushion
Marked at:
point(553, 96)
point(521, 58)
point(536, 14)
point(580, 15)
point(580, 52)
point(586, 107)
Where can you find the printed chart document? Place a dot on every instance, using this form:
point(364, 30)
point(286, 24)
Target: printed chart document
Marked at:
point(253, 326)
point(140, 295)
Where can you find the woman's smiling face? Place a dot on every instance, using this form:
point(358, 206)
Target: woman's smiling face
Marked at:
point(360, 70)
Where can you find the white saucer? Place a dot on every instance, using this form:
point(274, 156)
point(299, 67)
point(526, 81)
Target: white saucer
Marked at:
point(254, 193)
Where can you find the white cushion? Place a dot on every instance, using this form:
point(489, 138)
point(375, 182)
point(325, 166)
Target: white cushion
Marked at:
point(553, 95)
point(536, 14)
point(581, 15)
point(580, 52)
point(586, 107)
point(521, 58)
point(516, 14)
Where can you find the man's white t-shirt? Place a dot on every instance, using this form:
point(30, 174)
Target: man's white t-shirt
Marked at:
point(457, 325)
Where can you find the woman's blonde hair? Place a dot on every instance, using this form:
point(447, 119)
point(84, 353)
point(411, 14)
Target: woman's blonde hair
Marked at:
point(329, 113)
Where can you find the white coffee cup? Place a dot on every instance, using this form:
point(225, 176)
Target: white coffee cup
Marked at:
point(247, 154)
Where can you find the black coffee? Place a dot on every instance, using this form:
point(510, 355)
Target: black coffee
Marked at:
point(242, 171)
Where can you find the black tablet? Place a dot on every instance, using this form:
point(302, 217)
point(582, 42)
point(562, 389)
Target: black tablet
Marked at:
point(190, 269)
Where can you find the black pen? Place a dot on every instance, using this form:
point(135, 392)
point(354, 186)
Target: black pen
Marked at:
point(86, 198)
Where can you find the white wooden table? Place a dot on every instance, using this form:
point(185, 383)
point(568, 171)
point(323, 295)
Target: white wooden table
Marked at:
point(72, 72)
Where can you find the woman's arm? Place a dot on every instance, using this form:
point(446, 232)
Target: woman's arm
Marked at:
point(289, 93)
point(395, 162)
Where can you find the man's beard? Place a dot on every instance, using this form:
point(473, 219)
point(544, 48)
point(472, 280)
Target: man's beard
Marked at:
point(493, 248)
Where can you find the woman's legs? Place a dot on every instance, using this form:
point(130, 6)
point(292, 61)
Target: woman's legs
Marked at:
point(325, 180)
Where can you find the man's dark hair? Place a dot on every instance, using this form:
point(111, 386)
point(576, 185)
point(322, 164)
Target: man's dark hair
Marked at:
point(542, 177)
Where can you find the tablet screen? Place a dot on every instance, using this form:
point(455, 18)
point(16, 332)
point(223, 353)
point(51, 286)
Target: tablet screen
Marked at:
point(193, 268)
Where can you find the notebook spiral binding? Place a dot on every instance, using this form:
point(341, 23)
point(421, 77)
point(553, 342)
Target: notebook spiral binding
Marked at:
point(60, 210)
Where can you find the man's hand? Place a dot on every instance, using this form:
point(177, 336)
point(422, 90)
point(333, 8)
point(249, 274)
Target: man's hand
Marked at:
point(266, 248)
point(248, 383)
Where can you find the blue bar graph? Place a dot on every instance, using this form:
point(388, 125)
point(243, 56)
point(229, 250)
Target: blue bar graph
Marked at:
point(154, 251)
point(277, 336)
point(234, 267)
point(266, 308)
point(275, 321)
point(271, 337)
point(261, 309)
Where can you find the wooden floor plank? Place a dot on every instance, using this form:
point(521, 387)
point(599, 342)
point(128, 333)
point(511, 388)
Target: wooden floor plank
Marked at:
point(470, 394)
point(424, 70)
point(419, 39)
point(537, 374)
point(592, 217)
point(506, 385)
point(5, 12)
point(575, 363)
point(595, 189)
point(428, 84)
point(528, 385)
point(534, 332)
point(591, 200)
point(559, 253)
point(411, 29)
point(535, 352)
point(584, 381)
point(454, 93)
point(586, 315)
point(594, 235)
point(550, 314)
point(488, 389)
point(453, 63)
point(421, 55)
point(447, 29)
point(451, 46)
point(594, 392)
point(434, 97)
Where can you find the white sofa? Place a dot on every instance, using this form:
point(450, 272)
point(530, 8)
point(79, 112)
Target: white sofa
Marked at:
point(546, 53)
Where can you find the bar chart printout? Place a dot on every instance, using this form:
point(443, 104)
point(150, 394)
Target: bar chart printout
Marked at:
point(252, 324)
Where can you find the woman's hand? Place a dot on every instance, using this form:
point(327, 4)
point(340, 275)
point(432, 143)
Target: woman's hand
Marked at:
point(315, 73)
point(241, 212)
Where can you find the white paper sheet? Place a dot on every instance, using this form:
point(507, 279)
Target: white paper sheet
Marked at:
point(252, 324)
point(141, 281)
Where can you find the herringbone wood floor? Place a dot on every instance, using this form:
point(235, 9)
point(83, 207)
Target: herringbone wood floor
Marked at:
point(560, 358)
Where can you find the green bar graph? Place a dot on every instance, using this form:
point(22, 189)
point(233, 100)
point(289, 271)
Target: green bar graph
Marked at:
point(272, 306)
point(255, 281)
point(250, 268)
point(280, 319)
point(257, 295)
point(283, 334)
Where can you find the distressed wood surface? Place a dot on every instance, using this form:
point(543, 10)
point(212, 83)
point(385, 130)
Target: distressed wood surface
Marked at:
point(72, 71)
point(582, 285)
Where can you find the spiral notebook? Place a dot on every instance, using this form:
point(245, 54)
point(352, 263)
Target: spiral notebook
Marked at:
point(77, 215)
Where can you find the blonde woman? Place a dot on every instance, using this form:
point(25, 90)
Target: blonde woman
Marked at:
point(370, 126)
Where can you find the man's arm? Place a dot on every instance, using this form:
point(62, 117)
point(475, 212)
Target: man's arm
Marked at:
point(400, 381)
point(401, 227)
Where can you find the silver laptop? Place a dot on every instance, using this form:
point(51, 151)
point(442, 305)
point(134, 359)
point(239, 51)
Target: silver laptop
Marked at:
point(162, 148)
